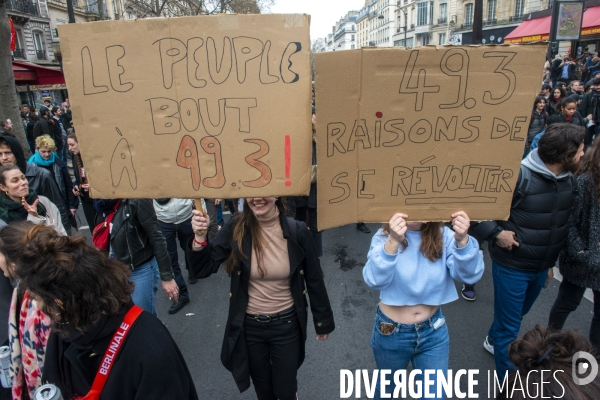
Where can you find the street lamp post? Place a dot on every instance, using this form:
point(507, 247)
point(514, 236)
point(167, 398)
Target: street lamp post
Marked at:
point(405, 21)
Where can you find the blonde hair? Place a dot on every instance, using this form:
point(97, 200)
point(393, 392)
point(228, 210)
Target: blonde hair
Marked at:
point(45, 141)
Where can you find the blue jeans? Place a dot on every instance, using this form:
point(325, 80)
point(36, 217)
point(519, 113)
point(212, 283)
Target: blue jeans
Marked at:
point(184, 233)
point(426, 347)
point(145, 277)
point(220, 220)
point(515, 292)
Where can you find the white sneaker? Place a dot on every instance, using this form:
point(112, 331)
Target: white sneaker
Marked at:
point(488, 345)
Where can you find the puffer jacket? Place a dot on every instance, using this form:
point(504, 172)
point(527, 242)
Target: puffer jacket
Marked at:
point(539, 220)
point(580, 259)
point(136, 237)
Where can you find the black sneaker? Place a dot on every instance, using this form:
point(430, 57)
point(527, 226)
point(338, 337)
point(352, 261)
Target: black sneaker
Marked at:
point(175, 307)
point(191, 279)
point(468, 292)
point(363, 228)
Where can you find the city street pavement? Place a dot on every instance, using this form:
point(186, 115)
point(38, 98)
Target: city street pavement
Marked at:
point(200, 334)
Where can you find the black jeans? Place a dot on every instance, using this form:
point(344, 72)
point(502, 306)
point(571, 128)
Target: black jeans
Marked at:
point(184, 233)
point(301, 213)
point(273, 353)
point(569, 297)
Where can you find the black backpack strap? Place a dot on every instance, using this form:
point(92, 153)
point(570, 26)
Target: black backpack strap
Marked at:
point(522, 187)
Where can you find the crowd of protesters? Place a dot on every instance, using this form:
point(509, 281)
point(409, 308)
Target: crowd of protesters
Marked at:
point(67, 305)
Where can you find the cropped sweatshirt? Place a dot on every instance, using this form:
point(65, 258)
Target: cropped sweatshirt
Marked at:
point(408, 278)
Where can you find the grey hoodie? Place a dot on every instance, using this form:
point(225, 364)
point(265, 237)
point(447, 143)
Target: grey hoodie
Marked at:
point(535, 163)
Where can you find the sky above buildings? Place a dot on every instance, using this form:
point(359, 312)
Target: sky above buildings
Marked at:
point(324, 13)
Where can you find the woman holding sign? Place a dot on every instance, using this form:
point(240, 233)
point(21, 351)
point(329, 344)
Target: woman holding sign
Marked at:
point(272, 262)
point(414, 266)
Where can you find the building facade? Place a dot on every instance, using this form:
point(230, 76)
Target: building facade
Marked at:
point(32, 27)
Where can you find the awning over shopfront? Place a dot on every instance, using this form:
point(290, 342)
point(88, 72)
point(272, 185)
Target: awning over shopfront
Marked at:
point(532, 30)
point(591, 21)
point(539, 29)
point(34, 74)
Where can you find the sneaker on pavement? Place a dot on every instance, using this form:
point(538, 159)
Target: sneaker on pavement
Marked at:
point(488, 344)
point(175, 307)
point(468, 292)
point(363, 228)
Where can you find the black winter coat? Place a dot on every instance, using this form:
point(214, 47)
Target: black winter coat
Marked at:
point(61, 176)
point(149, 365)
point(539, 222)
point(580, 259)
point(136, 236)
point(305, 270)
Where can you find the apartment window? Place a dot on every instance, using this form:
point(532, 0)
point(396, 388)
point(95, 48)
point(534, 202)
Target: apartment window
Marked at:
point(422, 13)
point(443, 12)
point(519, 6)
point(442, 37)
point(491, 11)
point(352, 47)
point(352, 38)
point(38, 42)
point(469, 14)
point(425, 40)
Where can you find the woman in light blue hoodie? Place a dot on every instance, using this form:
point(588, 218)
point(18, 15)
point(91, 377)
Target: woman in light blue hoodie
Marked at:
point(414, 264)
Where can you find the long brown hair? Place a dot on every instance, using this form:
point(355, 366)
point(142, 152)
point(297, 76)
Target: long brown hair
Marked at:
point(69, 276)
point(432, 242)
point(590, 163)
point(248, 222)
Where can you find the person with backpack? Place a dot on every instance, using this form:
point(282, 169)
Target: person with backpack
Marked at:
point(525, 248)
point(579, 262)
point(272, 263)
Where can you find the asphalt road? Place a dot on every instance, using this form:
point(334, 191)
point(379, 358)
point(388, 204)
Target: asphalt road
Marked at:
point(199, 335)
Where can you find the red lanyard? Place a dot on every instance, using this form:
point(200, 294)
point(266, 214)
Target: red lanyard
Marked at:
point(111, 353)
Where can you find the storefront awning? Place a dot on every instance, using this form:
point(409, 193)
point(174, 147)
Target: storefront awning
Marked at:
point(591, 21)
point(530, 31)
point(36, 74)
point(23, 73)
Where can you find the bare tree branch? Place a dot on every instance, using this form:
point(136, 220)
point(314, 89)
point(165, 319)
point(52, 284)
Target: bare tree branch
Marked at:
point(176, 8)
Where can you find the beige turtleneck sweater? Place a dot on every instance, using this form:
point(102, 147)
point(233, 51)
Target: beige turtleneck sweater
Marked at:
point(271, 293)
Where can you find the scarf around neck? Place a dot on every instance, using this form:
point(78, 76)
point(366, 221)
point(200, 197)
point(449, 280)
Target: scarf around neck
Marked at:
point(38, 160)
point(12, 211)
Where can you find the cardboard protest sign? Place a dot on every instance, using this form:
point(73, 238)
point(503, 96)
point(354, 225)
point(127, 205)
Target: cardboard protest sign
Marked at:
point(426, 132)
point(209, 106)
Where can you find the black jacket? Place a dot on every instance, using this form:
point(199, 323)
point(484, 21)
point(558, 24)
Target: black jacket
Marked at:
point(559, 118)
point(580, 259)
point(42, 127)
point(136, 237)
point(589, 105)
point(305, 270)
point(539, 222)
point(149, 364)
point(60, 173)
point(555, 68)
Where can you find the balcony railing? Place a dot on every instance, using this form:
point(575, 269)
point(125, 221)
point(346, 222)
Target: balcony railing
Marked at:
point(467, 25)
point(23, 6)
point(516, 18)
point(488, 22)
point(442, 20)
point(41, 54)
point(19, 53)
